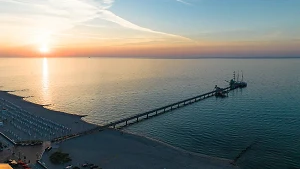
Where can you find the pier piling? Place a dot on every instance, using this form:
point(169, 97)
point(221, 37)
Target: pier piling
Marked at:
point(131, 120)
point(167, 108)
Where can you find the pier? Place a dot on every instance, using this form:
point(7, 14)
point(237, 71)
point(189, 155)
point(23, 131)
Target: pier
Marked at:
point(146, 115)
point(119, 124)
point(218, 92)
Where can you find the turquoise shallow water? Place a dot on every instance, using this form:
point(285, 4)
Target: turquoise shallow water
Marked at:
point(267, 112)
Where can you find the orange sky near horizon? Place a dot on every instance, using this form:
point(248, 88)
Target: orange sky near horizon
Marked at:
point(179, 51)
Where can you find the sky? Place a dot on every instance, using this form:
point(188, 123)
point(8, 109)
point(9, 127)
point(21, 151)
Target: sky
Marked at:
point(150, 28)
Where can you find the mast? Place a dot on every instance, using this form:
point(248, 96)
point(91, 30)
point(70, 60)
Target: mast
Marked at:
point(234, 75)
point(238, 76)
point(242, 76)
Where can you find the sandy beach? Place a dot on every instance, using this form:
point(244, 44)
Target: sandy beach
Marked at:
point(28, 121)
point(112, 149)
point(109, 149)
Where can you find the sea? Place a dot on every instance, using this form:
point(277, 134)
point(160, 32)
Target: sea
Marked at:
point(265, 115)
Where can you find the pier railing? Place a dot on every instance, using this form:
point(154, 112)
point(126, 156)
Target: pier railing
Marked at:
point(146, 115)
point(164, 109)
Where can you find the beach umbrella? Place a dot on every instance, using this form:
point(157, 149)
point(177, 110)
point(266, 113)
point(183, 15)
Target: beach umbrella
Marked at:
point(13, 162)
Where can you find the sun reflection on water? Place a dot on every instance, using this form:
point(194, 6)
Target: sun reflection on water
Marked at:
point(45, 81)
point(45, 68)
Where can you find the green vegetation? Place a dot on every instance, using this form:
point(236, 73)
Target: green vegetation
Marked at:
point(60, 158)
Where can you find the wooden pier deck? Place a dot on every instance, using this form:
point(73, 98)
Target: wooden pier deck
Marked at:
point(142, 116)
point(146, 115)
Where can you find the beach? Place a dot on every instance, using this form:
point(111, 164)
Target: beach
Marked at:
point(109, 148)
point(114, 149)
point(25, 121)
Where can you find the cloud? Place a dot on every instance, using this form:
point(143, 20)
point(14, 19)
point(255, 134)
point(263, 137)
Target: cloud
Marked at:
point(27, 17)
point(109, 16)
point(184, 2)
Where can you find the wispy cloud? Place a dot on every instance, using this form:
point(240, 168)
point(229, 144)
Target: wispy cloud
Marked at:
point(184, 2)
point(56, 16)
point(109, 16)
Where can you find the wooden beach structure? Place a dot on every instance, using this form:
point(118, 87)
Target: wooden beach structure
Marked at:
point(124, 122)
point(218, 92)
point(162, 110)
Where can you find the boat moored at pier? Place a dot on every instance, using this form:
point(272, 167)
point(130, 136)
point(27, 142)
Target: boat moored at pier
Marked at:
point(233, 83)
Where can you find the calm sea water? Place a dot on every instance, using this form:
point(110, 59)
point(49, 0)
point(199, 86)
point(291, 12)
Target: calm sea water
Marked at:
point(266, 113)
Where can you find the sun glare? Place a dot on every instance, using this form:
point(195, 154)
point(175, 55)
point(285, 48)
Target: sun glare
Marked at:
point(44, 49)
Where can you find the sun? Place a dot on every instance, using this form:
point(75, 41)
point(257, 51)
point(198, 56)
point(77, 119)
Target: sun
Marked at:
point(44, 49)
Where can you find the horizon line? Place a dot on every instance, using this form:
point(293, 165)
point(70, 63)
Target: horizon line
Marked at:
point(164, 57)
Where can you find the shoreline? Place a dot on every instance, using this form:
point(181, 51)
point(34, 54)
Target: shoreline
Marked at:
point(130, 139)
point(112, 148)
point(8, 94)
point(23, 120)
point(176, 148)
